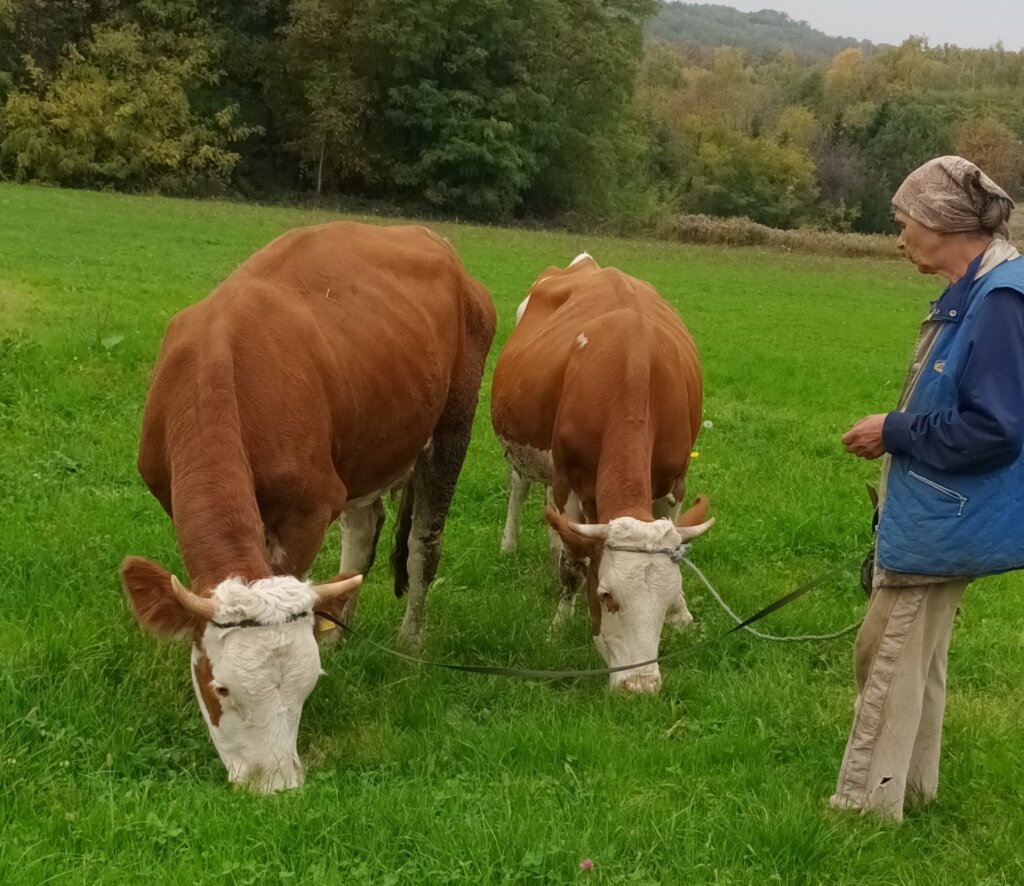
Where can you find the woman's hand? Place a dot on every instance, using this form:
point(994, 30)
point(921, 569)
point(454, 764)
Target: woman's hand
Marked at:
point(864, 439)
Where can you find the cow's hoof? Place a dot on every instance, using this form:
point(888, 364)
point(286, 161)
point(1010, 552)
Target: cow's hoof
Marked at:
point(564, 614)
point(326, 639)
point(641, 684)
point(411, 638)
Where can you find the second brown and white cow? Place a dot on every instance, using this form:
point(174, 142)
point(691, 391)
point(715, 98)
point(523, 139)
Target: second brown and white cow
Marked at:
point(597, 394)
point(337, 363)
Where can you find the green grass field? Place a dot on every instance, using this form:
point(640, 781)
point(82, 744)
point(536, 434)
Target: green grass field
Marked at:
point(424, 776)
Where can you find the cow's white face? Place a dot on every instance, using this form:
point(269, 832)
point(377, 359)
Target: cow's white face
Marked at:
point(635, 591)
point(252, 679)
point(254, 659)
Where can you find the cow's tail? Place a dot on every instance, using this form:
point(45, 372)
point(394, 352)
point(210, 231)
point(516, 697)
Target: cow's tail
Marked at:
point(403, 529)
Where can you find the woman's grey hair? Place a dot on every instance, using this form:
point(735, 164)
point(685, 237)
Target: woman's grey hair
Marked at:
point(952, 195)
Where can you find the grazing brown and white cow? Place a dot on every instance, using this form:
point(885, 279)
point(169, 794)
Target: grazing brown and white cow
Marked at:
point(597, 394)
point(336, 364)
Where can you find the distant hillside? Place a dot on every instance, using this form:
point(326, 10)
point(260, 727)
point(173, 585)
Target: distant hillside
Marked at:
point(758, 33)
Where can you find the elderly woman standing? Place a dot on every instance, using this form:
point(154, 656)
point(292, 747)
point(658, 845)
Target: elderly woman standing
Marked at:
point(952, 491)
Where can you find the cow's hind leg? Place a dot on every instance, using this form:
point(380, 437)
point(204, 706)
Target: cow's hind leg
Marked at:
point(421, 519)
point(428, 493)
point(424, 508)
point(360, 529)
point(518, 490)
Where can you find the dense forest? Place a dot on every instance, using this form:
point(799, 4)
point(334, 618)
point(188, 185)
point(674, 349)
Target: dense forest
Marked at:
point(758, 34)
point(495, 109)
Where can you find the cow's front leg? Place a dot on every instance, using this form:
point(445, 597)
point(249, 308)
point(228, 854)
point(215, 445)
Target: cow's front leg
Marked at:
point(293, 541)
point(667, 507)
point(359, 528)
point(518, 490)
point(571, 572)
point(292, 545)
point(571, 575)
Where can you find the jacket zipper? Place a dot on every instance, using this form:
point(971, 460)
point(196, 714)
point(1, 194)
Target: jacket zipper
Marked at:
point(947, 492)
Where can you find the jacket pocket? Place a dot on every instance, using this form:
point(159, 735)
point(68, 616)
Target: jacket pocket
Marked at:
point(951, 494)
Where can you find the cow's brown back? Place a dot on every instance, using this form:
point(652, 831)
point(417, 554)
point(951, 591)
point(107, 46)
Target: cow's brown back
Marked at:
point(313, 375)
point(600, 367)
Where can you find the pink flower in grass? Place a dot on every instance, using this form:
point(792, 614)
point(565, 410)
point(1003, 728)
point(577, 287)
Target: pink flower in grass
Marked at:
point(586, 864)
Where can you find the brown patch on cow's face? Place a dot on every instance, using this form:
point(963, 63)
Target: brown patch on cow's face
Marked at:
point(202, 672)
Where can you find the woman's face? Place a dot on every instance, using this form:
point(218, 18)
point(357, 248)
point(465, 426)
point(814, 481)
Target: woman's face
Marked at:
point(922, 245)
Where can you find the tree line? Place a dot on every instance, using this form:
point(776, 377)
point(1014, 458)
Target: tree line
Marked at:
point(491, 109)
point(758, 34)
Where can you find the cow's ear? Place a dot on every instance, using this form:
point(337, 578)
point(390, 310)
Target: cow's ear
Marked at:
point(695, 514)
point(147, 585)
point(579, 545)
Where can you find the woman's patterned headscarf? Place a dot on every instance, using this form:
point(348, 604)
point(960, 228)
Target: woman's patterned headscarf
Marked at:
point(950, 194)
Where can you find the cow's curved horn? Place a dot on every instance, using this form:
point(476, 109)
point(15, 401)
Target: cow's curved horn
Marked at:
point(202, 606)
point(334, 589)
point(686, 533)
point(590, 530)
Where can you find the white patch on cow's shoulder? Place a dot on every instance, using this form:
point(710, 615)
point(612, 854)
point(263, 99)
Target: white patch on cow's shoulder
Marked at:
point(582, 340)
point(534, 465)
point(579, 258)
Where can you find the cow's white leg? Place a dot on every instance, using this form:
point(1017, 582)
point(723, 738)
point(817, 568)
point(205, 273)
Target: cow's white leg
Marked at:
point(417, 553)
point(422, 562)
point(571, 572)
point(359, 528)
point(518, 490)
point(564, 613)
point(276, 553)
point(554, 539)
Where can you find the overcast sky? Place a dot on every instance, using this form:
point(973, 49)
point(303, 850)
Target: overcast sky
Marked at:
point(978, 24)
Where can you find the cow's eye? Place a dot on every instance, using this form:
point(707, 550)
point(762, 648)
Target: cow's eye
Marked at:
point(221, 690)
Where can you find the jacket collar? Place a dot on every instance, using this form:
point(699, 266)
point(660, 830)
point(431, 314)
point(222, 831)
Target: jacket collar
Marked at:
point(950, 305)
point(998, 251)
